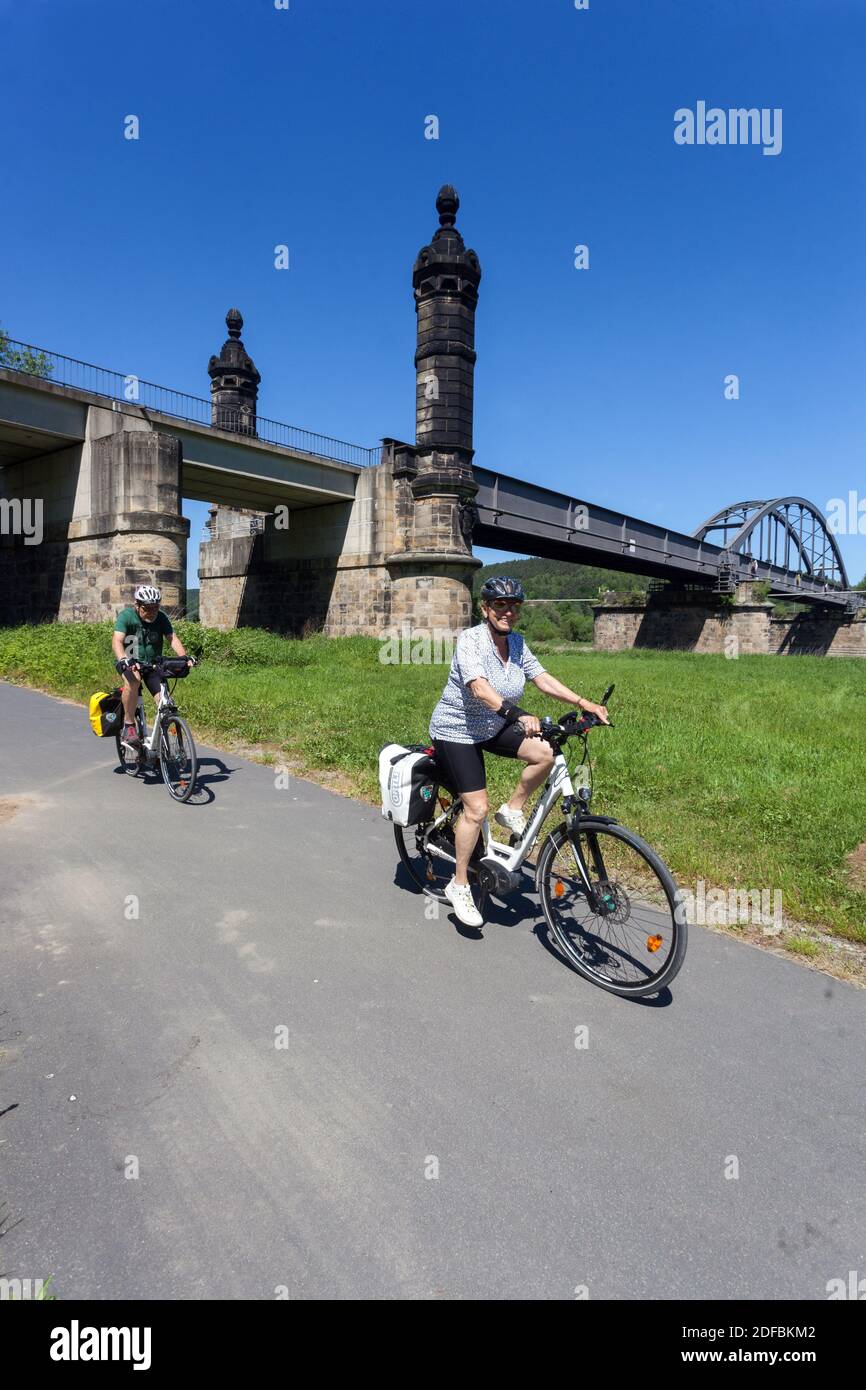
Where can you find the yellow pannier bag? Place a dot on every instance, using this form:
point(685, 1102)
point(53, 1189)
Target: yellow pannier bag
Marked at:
point(106, 712)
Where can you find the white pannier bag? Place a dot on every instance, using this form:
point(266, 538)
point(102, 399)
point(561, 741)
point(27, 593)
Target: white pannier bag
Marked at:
point(407, 779)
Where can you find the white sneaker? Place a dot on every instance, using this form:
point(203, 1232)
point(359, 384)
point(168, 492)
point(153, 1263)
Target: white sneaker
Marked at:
point(515, 821)
point(460, 897)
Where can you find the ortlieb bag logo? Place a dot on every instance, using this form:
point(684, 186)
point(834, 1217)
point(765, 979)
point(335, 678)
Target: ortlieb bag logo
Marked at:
point(106, 712)
point(408, 783)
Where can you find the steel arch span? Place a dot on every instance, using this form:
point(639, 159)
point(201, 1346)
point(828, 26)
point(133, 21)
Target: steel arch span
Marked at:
point(789, 533)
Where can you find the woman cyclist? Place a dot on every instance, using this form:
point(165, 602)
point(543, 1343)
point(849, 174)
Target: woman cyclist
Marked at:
point(479, 713)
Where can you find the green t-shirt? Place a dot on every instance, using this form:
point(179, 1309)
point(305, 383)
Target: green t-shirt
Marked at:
point(143, 640)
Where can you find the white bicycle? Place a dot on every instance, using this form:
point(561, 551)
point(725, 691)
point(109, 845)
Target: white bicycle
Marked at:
point(169, 744)
point(610, 903)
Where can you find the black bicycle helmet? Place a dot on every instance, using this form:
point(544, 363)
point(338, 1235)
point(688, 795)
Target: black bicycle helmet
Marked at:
point(503, 586)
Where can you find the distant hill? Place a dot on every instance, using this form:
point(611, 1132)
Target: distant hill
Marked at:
point(559, 579)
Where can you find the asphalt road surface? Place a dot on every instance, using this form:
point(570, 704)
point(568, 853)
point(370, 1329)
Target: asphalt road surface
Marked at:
point(430, 1129)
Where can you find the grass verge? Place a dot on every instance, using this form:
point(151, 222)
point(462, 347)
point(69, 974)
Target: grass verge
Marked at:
point(744, 774)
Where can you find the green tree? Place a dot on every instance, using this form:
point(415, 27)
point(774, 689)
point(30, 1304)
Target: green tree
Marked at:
point(35, 363)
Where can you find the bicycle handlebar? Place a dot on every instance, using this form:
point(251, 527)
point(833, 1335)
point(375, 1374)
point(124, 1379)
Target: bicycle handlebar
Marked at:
point(165, 665)
point(574, 723)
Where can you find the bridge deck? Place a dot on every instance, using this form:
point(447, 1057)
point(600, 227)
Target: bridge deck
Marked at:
point(526, 518)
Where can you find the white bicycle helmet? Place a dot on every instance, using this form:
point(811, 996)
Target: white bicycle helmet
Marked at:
point(145, 593)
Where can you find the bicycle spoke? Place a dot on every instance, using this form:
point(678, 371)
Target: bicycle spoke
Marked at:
point(177, 758)
point(629, 938)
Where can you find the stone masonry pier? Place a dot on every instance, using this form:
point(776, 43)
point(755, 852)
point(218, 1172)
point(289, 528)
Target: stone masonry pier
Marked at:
point(678, 619)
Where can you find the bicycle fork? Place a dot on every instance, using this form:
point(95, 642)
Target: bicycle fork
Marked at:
point(601, 901)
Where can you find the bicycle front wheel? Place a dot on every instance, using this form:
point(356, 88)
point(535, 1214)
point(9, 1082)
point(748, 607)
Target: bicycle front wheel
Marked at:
point(633, 941)
point(177, 757)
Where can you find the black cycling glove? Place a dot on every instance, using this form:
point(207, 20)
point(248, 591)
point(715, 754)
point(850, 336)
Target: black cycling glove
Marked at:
point(510, 713)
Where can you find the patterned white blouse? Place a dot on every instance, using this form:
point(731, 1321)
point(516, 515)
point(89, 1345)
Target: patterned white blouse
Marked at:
point(459, 716)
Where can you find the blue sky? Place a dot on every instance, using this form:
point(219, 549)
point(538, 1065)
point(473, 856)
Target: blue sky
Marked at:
point(306, 127)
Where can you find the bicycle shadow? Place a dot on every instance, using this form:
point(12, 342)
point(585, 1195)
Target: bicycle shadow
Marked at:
point(516, 910)
point(662, 1000)
point(497, 912)
point(203, 794)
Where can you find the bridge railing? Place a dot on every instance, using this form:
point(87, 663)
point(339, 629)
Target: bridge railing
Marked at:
point(198, 410)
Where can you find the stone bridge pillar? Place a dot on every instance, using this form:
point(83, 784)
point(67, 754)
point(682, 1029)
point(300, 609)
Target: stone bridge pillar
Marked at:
point(132, 531)
point(110, 511)
point(431, 569)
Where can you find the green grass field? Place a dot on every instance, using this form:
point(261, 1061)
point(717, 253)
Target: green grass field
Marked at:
point(745, 773)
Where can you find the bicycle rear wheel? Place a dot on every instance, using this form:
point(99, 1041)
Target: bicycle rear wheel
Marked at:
point(427, 853)
point(177, 757)
point(634, 943)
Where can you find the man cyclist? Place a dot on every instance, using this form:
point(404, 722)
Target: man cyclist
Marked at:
point(479, 713)
point(139, 632)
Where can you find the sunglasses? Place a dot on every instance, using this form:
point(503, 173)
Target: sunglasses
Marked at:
point(503, 605)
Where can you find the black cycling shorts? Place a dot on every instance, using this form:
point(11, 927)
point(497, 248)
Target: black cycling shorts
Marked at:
point(462, 764)
point(151, 680)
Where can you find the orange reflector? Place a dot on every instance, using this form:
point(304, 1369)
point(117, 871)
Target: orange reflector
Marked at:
point(559, 889)
point(653, 943)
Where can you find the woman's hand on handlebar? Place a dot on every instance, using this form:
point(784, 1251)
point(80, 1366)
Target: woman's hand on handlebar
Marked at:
point(530, 725)
point(599, 711)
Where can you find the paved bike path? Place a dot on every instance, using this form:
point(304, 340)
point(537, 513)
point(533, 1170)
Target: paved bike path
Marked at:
point(410, 1049)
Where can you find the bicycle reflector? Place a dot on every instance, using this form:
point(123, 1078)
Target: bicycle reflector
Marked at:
point(559, 889)
point(653, 943)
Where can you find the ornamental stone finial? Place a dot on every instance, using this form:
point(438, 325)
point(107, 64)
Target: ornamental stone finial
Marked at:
point(447, 203)
point(234, 382)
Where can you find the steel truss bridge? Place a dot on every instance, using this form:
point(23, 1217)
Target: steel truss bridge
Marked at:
point(785, 541)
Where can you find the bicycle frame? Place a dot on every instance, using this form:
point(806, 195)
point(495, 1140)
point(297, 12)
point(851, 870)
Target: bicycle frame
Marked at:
point(164, 705)
point(512, 857)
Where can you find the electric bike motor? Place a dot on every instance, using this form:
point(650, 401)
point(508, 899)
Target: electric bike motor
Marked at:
point(495, 879)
